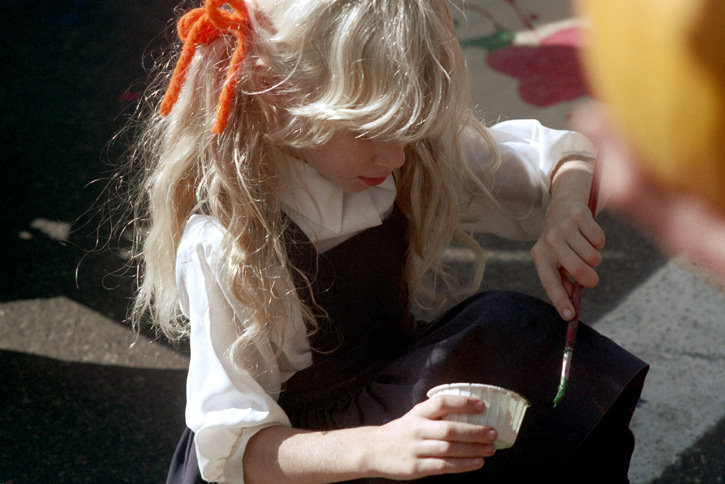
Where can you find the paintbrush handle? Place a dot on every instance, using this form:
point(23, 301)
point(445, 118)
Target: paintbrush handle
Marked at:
point(576, 299)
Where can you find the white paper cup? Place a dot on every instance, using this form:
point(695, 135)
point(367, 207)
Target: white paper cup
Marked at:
point(503, 410)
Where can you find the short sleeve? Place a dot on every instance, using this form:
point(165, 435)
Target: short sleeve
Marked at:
point(225, 405)
point(519, 187)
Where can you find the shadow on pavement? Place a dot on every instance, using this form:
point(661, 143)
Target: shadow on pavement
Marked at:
point(73, 422)
point(701, 463)
point(79, 70)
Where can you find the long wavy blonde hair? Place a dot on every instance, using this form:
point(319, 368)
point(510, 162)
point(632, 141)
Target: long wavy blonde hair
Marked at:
point(386, 69)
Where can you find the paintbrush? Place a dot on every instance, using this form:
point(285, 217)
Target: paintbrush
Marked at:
point(576, 299)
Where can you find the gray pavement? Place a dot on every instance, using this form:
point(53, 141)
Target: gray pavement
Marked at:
point(79, 403)
point(82, 400)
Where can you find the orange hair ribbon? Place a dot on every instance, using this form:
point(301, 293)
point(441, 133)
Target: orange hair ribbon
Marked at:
point(201, 26)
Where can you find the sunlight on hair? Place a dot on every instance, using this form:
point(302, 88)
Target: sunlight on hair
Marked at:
point(388, 70)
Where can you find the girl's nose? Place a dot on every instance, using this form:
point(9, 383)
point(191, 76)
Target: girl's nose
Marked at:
point(390, 154)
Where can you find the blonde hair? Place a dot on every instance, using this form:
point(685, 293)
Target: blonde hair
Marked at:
point(386, 69)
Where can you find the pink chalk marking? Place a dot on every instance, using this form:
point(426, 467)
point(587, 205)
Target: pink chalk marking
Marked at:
point(549, 73)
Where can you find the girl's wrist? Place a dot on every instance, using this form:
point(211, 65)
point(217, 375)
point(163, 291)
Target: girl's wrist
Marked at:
point(571, 180)
point(281, 454)
point(363, 442)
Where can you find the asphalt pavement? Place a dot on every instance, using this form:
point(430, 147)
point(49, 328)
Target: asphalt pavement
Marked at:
point(83, 400)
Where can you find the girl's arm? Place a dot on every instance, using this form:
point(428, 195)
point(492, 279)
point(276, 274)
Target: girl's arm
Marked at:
point(416, 445)
point(519, 188)
point(540, 190)
point(571, 241)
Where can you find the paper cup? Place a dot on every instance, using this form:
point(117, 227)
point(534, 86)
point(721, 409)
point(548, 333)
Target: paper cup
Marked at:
point(503, 409)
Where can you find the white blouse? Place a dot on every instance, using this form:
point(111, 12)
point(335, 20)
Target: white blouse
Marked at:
point(226, 407)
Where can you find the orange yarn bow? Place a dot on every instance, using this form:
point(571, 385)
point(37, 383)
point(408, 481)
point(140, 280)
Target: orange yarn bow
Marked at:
point(201, 26)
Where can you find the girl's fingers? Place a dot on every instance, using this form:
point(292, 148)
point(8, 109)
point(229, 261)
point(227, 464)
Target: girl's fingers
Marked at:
point(551, 281)
point(571, 261)
point(572, 247)
point(554, 272)
point(593, 233)
point(577, 241)
point(459, 432)
point(567, 282)
point(435, 408)
point(442, 448)
point(437, 466)
point(582, 221)
point(584, 251)
point(419, 443)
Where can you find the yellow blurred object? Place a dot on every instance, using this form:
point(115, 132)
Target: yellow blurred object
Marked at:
point(660, 67)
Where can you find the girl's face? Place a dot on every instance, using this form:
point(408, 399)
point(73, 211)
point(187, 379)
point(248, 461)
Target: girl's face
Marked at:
point(355, 163)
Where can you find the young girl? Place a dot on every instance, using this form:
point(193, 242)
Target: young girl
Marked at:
point(313, 161)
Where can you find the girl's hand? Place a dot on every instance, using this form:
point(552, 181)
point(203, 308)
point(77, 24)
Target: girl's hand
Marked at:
point(420, 444)
point(570, 245)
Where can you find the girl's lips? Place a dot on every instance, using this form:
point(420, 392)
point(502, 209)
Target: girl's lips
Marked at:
point(373, 181)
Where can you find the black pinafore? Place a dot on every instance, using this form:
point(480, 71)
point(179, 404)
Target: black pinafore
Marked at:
point(373, 362)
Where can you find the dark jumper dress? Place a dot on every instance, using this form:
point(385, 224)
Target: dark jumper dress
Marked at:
point(373, 362)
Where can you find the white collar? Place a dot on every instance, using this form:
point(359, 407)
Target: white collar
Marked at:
point(326, 213)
